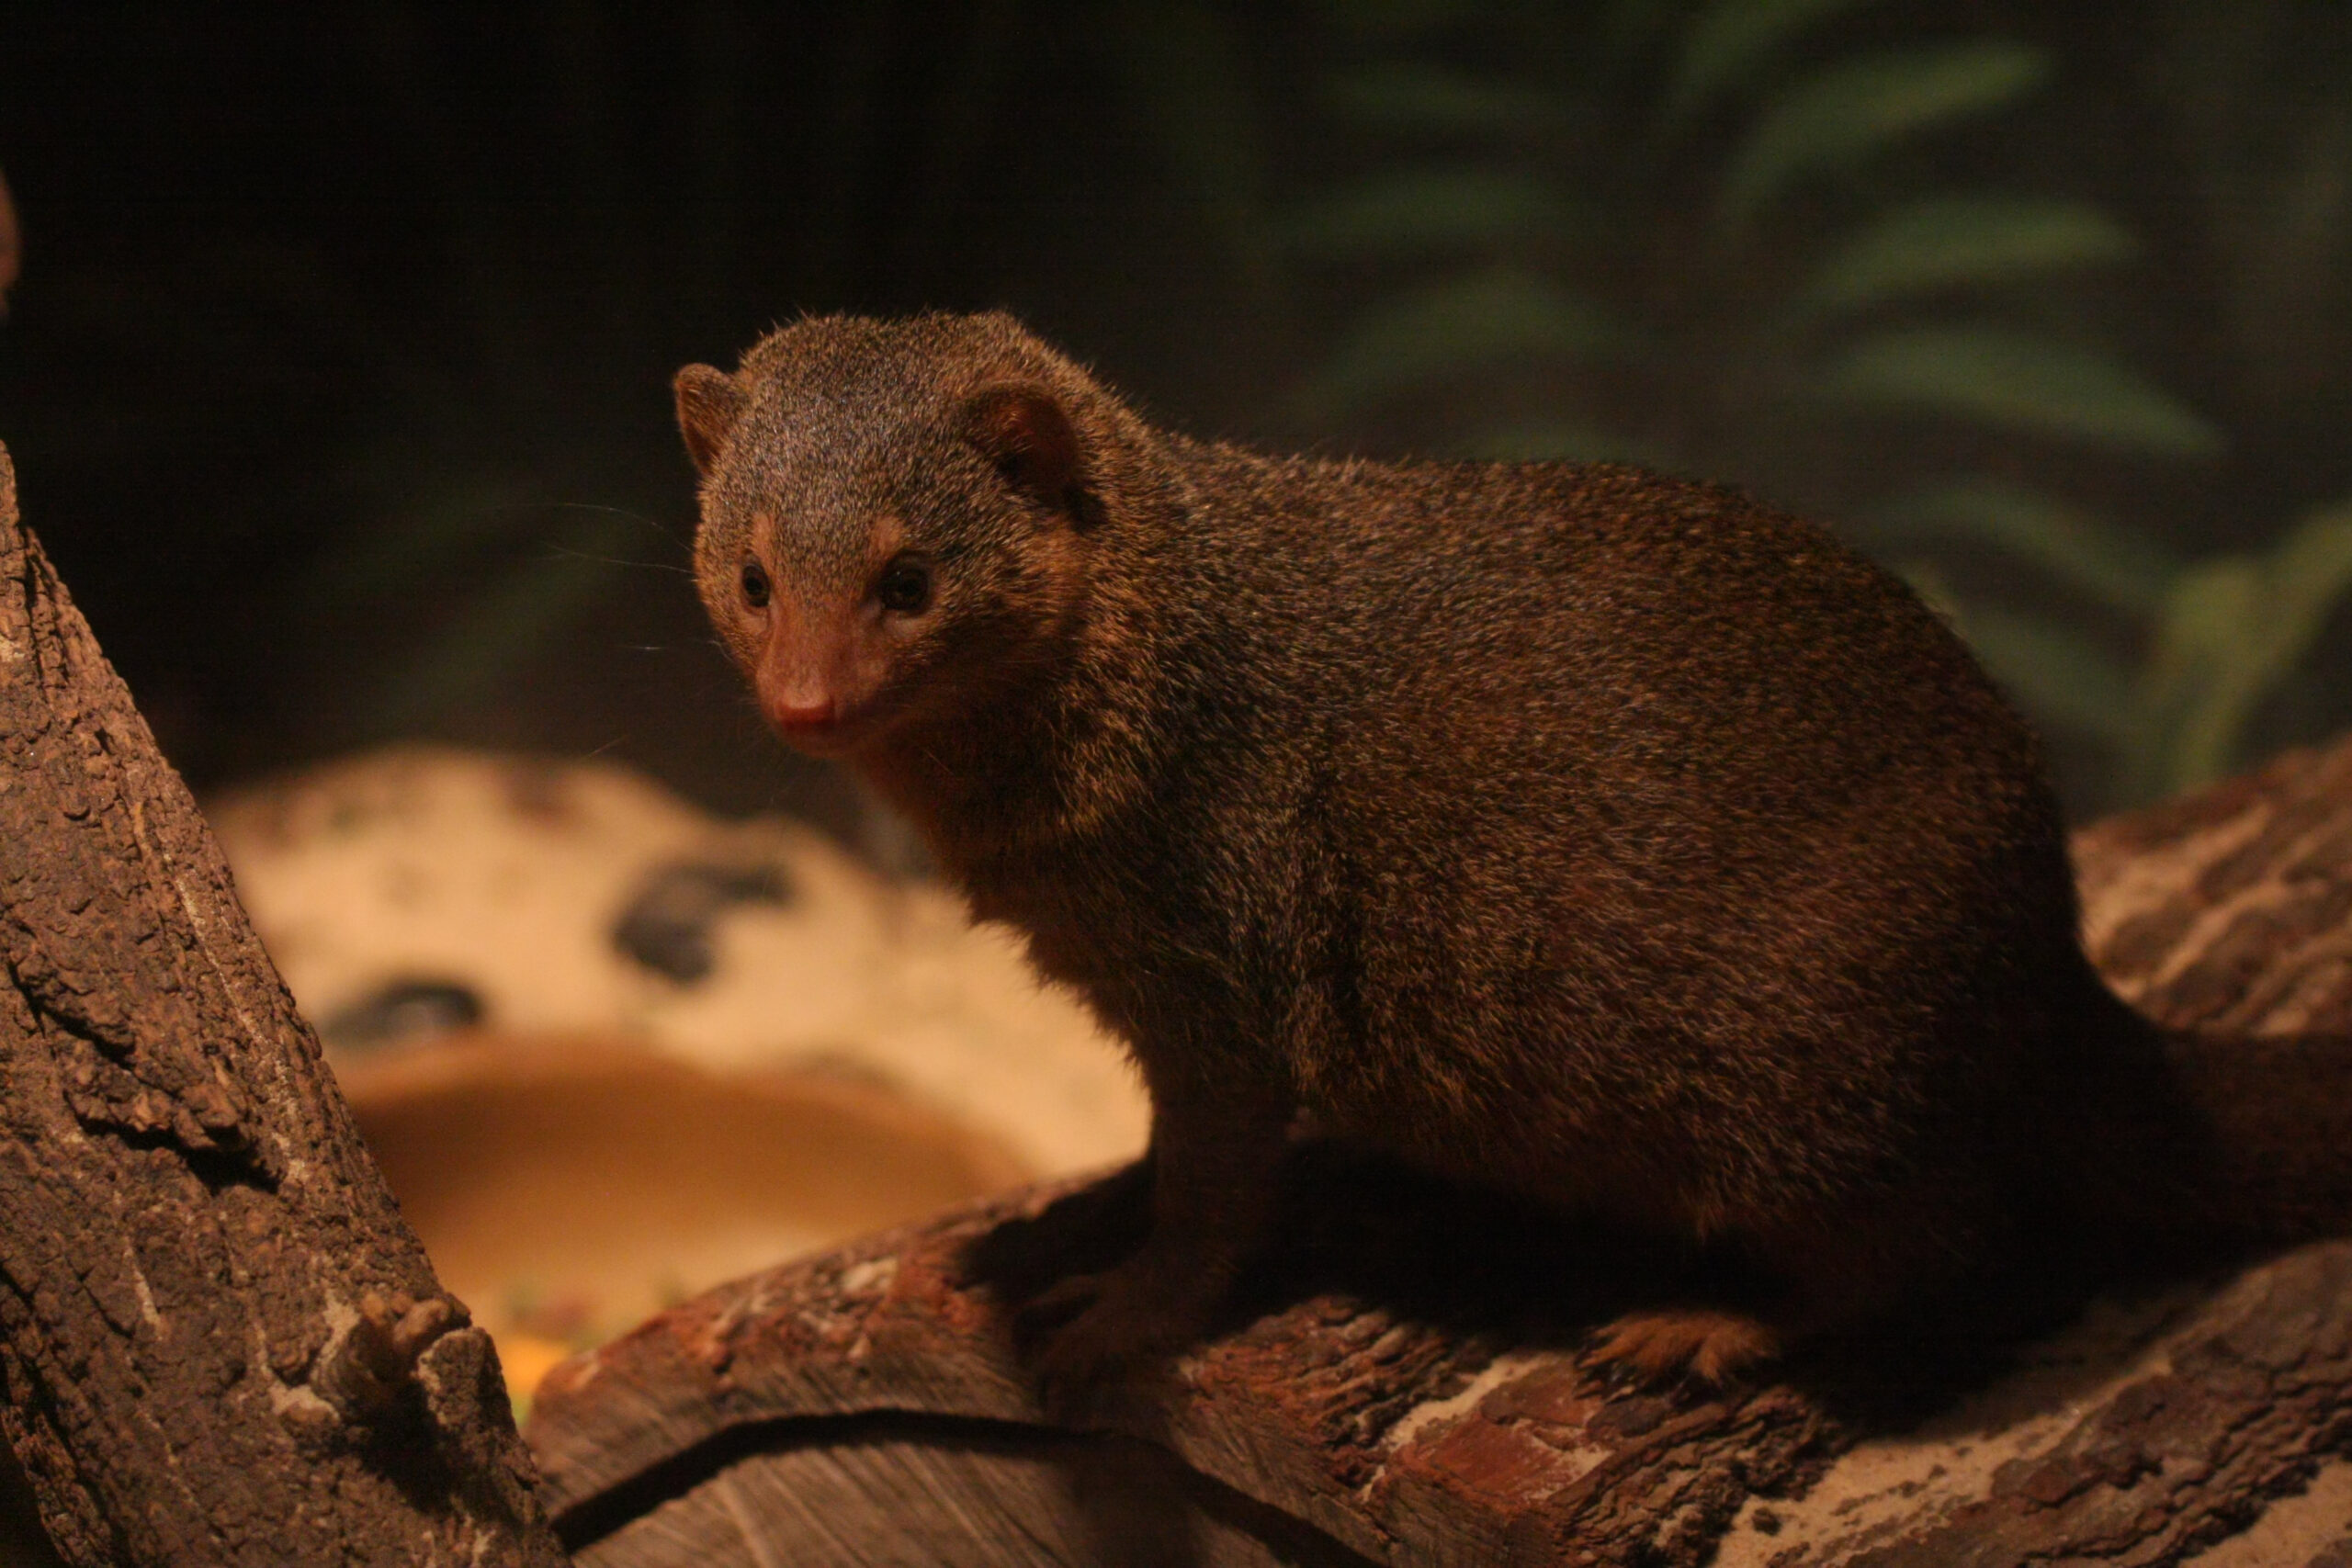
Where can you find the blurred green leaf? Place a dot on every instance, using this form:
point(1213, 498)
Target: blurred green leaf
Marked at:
point(2062, 678)
point(2204, 646)
point(1427, 209)
point(1999, 376)
point(1427, 100)
point(1845, 113)
point(1730, 39)
point(2312, 214)
point(2233, 631)
point(1958, 241)
point(1185, 68)
point(1626, 29)
point(1928, 580)
point(501, 625)
point(2286, 237)
point(1384, 19)
point(418, 542)
point(2120, 570)
point(1462, 324)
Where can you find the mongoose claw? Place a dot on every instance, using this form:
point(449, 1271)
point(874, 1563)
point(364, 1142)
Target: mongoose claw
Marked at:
point(1709, 1345)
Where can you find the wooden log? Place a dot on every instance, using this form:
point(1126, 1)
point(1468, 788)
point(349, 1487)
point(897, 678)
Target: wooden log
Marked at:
point(220, 1343)
point(1402, 1384)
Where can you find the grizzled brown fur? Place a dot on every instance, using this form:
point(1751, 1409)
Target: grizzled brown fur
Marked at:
point(1611, 839)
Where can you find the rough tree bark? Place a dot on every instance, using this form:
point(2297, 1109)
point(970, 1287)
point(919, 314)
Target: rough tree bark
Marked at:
point(1403, 1387)
point(220, 1343)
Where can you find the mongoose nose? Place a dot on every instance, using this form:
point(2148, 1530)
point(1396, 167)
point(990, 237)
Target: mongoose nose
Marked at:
point(799, 716)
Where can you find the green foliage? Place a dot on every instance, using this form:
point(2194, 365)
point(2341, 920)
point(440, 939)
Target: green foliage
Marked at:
point(2231, 631)
point(1998, 376)
point(508, 616)
point(1410, 98)
point(1186, 76)
point(2124, 574)
point(1397, 19)
point(1553, 231)
point(1943, 244)
point(2064, 676)
point(1850, 112)
point(1429, 208)
point(1731, 43)
point(2222, 633)
point(1457, 326)
point(1712, 235)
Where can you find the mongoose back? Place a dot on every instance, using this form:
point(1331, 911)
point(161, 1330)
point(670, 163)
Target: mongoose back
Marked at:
point(1609, 839)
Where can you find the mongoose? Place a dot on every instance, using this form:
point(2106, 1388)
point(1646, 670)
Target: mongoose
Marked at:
point(1614, 840)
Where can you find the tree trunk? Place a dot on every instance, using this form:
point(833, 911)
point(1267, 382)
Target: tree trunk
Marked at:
point(221, 1344)
point(1402, 1383)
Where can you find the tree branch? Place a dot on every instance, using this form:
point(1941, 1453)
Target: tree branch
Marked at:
point(219, 1341)
point(1403, 1384)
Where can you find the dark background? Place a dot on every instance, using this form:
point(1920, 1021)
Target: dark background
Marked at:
point(336, 378)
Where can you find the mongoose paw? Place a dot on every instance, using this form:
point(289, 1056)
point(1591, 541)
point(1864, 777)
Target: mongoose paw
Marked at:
point(1709, 1344)
point(1095, 1329)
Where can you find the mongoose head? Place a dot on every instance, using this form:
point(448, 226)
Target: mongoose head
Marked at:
point(896, 516)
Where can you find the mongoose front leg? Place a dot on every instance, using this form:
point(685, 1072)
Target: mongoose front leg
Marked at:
point(1214, 1150)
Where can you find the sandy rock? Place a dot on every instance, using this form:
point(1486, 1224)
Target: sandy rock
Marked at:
point(514, 882)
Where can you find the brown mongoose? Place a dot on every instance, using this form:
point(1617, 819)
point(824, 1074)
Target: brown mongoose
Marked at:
point(1610, 839)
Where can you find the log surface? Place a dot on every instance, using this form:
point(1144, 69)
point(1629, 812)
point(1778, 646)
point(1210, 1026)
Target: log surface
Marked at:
point(1390, 1394)
point(219, 1342)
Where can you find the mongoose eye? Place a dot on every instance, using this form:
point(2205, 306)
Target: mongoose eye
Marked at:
point(755, 585)
point(905, 587)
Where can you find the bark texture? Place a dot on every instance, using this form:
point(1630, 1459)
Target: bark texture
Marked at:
point(219, 1341)
point(1403, 1385)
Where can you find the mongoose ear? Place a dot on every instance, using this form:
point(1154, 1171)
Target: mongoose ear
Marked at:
point(1027, 435)
point(709, 403)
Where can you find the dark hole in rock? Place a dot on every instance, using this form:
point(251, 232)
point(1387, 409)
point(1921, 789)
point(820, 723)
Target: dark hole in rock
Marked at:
point(666, 925)
point(402, 1012)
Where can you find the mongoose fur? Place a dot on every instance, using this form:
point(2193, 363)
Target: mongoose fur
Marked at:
point(1610, 839)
